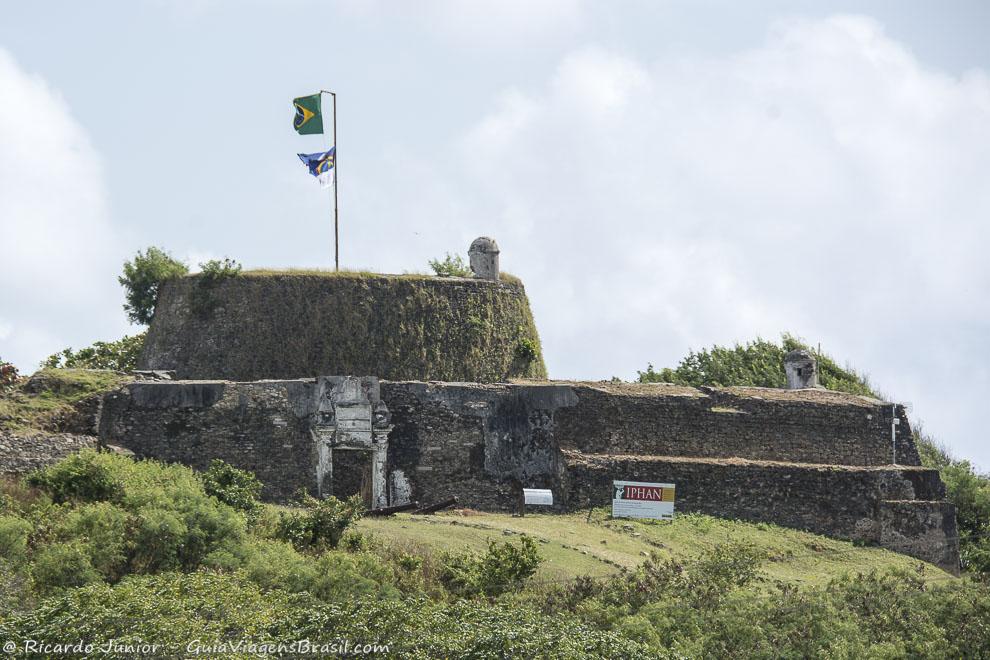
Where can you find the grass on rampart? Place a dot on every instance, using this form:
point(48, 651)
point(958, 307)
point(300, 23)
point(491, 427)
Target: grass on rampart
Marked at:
point(355, 274)
point(573, 545)
point(51, 394)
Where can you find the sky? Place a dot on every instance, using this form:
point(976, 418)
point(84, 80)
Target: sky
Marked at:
point(663, 176)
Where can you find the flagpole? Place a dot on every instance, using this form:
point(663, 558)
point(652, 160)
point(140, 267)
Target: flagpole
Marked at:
point(336, 222)
point(336, 225)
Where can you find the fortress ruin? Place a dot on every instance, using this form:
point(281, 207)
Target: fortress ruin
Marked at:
point(404, 388)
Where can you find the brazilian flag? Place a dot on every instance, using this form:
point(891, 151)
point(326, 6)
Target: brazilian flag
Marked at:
point(309, 118)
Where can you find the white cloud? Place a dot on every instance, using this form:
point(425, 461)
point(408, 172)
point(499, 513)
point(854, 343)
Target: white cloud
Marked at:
point(58, 262)
point(497, 24)
point(825, 183)
point(498, 21)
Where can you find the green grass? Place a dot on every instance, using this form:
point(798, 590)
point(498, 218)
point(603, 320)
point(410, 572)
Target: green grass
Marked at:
point(571, 545)
point(320, 272)
point(22, 411)
point(356, 274)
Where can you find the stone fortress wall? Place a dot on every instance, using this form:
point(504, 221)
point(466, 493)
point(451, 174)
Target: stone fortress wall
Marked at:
point(474, 441)
point(293, 324)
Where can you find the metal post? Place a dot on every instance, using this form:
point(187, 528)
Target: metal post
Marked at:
point(336, 230)
point(336, 222)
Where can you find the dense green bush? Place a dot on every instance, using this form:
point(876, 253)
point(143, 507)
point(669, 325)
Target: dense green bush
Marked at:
point(134, 516)
point(527, 350)
point(174, 610)
point(332, 576)
point(709, 608)
point(84, 476)
point(142, 280)
point(62, 566)
point(321, 523)
point(103, 531)
point(450, 266)
point(238, 488)
point(758, 363)
point(14, 532)
point(120, 355)
point(503, 567)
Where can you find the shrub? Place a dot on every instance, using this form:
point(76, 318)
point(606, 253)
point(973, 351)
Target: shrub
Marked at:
point(158, 538)
point(83, 476)
point(101, 530)
point(237, 488)
point(120, 355)
point(758, 363)
point(212, 273)
point(277, 565)
point(14, 534)
point(174, 609)
point(699, 585)
point(171, 523)
point(343, 576)
point(142, 280)
point(527, 350)
point(216, 270)
point(504, 567)
point(331, 577)
point(62, 566)
point(322, 522)
point(450, 266)
point(15, 588)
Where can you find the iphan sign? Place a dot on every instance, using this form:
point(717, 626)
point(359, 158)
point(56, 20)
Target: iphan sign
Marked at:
point(634, 499)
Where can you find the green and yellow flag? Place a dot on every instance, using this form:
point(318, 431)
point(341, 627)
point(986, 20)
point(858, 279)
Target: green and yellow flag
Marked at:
point(309, 118)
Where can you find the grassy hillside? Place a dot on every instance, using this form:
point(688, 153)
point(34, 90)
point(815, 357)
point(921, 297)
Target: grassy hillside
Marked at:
point(103, 548)
point(573, 545)
point(52, 399)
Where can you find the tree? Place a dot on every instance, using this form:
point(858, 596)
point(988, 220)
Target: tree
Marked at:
point(120, 355)
point(452, 265)
point(142, 280)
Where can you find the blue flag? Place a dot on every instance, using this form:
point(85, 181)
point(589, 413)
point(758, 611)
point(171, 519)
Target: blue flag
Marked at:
point(321, 165)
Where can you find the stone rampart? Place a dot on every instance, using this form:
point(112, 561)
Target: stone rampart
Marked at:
point(21, 453)
point(297, 325)
point(901, 508)
point(805, 426)
point(478, 442)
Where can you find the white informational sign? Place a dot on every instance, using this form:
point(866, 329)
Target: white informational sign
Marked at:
point(540, 496)
point(634, 499)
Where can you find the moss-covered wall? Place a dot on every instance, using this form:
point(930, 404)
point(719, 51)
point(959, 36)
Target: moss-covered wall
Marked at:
point(297, 324)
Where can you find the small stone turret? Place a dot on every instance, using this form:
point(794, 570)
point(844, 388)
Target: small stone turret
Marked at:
point(801, 369)
point(483, 255)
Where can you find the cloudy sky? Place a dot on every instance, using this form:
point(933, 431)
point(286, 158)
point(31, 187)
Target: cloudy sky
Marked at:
point(663, 175)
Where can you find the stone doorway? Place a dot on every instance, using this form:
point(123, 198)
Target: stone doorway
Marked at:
point(352, 475)
point(350, 430)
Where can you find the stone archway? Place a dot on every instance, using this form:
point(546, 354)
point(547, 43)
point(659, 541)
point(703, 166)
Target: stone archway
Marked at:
point(351, 417)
